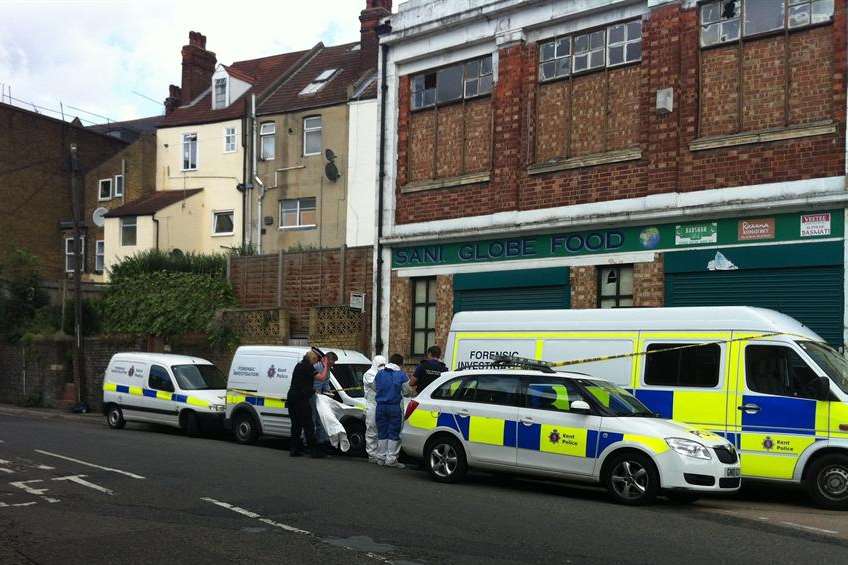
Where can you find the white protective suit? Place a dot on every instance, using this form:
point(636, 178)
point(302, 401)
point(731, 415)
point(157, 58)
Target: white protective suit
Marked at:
point(371, 406)
point(329, 411)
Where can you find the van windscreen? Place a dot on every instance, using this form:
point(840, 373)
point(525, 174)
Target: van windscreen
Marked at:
point(350, 378)
point(199, 377)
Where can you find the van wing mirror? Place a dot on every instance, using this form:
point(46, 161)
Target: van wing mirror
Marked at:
point(822, 388)
point(580, 407)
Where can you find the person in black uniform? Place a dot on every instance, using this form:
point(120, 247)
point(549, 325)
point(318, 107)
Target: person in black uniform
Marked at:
point(297, 401)
point(429, 369)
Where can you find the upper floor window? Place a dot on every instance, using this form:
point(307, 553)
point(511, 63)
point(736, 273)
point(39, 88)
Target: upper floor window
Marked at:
point(318, 82)
point(189, 151)
point(104, 189)
point(267, 136)
point(129, 231)
point(220, 93)
point(229, 140)
point(297, 213)
point(312, 135)
point(119, 186)
point(69, 254)
point(614, 45)
point(469, 79)
point(724, 20)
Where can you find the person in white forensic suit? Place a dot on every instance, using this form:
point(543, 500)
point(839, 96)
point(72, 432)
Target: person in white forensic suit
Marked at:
point(370, 387)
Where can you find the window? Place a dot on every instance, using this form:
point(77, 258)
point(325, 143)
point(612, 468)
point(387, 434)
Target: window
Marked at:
point(119, 186)
point(778, 370)
point(189, 151)
point(267, 136)
point(830, 361)
point(318, 82)
point(199, 377)
point(720, 21)
point(552, 394)
point(555, 58)
point(220, 93)
point(69, 254)
point(615, 286)
point(312, 135)
point(423, 315)
point(614, 45)
point(588, 51)
point(447, 390)
point(229, 140)
point(159, 379)
point(489, 389)
point(469, 79)
point(99, 255)
point(692, 366)
point(624, 43)
point(104, 191)
point(350, 378)
point(297, 213)
point(222, 223)
point(129, 226)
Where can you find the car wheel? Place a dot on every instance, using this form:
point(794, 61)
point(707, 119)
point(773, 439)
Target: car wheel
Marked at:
point(245, 428)
point(632, 479)
point(115, 418)
point(445, 460)
point(191, 425)
point(682, 497)
point(827, 482)
point(356, 436)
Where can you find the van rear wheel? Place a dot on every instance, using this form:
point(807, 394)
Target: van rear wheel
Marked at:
point(115, 418)
point(827, 482)
point(245, 429)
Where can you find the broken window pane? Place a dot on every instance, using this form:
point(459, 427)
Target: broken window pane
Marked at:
point(546, 51)
point(799, 15)
point(822, 11)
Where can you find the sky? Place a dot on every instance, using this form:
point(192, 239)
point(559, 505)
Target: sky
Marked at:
point(95, 55)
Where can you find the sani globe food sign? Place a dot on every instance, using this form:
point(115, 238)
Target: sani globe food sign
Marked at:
point(682, 235)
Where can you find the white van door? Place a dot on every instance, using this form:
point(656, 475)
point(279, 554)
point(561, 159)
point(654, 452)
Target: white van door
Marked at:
point(158, 403)
point(274, 382)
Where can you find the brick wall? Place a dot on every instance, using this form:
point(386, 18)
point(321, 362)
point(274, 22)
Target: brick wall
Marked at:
point(649, 283)
point(584, 287)
point(400, 314)
point(444, 309)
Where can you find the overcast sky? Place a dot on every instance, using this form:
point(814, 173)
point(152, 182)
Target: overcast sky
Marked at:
point(92, 54)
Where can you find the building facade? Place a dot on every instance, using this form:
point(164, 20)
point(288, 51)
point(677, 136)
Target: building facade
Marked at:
point(611, 154)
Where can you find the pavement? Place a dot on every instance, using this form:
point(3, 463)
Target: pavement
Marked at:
point(74, 491)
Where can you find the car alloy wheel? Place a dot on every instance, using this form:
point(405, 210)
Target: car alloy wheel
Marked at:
point(444, 460)
point(630, 480)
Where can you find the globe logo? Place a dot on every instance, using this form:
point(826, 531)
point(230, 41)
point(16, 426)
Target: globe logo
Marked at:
point(650, 238)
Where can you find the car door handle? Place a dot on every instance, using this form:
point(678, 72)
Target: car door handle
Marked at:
point(463, 413)
point(528, 421)
point(749, 408)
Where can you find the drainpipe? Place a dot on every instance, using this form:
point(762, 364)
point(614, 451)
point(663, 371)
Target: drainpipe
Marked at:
point(253, 164)
point(260, 194)
point(381, 175)
point(155, 221)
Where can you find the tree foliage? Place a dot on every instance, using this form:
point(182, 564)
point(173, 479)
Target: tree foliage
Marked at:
point(155, 260)
point(164, 303)
point(20, 293)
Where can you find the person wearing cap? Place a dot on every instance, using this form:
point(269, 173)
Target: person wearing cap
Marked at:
point(369, 384)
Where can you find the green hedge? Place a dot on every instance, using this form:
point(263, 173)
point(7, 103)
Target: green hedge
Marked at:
point(154, 261)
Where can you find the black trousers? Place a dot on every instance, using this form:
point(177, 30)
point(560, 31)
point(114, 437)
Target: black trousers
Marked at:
point(300, 413)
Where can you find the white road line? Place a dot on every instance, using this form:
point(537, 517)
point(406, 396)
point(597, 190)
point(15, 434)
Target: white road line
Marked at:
point(29, 490)
point(809, 528)
point(7, 471)
point(78, 479)
point(45, 467)
point(4, 505)
point(127, 473)
point(4, 462)
point(254, 515)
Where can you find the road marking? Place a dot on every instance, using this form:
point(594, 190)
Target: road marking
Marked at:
point(78, 479)
point(254, 515)
point(127, 473)
point(809, 528)
point(4, 505)
point(7, 471)
point(4, 462)
point(29, 490)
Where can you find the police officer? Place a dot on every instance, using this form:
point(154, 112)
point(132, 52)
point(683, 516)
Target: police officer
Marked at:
point(430, 368)
point(298, 402)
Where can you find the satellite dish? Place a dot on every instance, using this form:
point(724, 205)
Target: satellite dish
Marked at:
point(98, 216)
point(328, 153)
point(332, 171)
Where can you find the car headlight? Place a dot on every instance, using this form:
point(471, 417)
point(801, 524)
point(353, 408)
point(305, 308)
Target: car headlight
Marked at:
point(688, 447)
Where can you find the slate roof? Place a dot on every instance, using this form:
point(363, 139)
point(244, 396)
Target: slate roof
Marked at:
point(149, 205)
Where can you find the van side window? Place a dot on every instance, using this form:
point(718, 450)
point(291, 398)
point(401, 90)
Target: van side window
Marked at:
point(551, 394)
point(778, 370)
point(159, 379)
point(489, 389)
point(447, 390)
point(693, 366)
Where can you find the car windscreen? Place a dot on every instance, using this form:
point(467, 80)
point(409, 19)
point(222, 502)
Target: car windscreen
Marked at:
point(350, 378)
point(830, 361)
point(199, 377)
point(616, 399)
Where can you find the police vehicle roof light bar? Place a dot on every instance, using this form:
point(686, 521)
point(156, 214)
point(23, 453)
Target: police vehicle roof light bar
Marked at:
point(515, 362)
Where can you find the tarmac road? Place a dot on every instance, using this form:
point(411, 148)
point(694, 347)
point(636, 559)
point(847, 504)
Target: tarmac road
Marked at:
point(74, 491)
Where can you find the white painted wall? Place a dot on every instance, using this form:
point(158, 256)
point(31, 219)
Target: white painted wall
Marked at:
point(363, 130)
point(115, 252)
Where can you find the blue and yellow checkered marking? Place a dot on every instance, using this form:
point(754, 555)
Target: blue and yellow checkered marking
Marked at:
point(158, 394)
point(238, 396)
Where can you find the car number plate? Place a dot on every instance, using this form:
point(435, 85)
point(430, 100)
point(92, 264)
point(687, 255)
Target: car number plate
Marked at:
point(732, 472)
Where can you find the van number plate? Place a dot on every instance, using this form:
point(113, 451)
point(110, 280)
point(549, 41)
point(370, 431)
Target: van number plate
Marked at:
point(731, 472)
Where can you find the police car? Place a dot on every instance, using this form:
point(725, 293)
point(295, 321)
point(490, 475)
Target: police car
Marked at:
point(537, 421)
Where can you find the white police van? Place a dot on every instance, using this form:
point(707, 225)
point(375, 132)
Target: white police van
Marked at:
point(259, 381)
point(160, 388)
point(564, 425)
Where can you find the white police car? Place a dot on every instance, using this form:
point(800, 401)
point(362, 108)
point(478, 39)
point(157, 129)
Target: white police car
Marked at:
point(565, 425)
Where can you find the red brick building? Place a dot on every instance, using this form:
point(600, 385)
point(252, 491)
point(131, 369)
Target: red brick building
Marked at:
point(612, 154)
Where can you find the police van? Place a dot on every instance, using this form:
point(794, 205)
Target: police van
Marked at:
point(759, 378)
point(564, 425)
point(259, 381)
point(159, 388)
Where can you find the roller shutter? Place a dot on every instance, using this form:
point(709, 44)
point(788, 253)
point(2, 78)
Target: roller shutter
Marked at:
point(533, 289)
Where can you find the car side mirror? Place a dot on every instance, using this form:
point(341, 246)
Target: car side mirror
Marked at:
point(580, 407)
point(822, 388)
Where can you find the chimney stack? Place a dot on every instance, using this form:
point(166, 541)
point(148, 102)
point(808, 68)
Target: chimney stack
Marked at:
point(198, 67)
point(369, 19)
point(172, 102)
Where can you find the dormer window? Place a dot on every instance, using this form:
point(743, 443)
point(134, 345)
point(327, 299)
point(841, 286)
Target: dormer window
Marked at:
point(220, 93)
point(319, 82)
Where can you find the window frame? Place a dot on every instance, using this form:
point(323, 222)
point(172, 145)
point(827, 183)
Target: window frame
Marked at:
point(115, 193)
point(227, 129)
point(272, 135)
point(299, 211)
point(741, 17)
point(125, 224)
point(518, 397)
point(99, 255)
point(226, 100)
point(187, 139)
point(312, 130)
point(69, 256)
point(100, 197)
point(572, 53)
point(617, 296)
point(215, 214)
point(414, 304)
point(462, 86)
point(167, 374)
point(317, 84)
point(524, 392)
point(802, 355)
point(684, 340)
point(624, 44)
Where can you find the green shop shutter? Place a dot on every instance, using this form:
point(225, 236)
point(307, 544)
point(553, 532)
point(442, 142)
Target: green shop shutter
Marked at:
point(529, 289)
point(807, 290)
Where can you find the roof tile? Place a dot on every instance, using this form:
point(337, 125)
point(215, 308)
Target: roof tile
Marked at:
point(149, 205)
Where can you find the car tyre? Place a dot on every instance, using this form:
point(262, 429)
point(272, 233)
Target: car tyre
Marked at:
point(355, 431)
point(191, 424)
point(683, 497)
point(245, 428)
point(632, 479)
point(444, 459)
point(115, 417)
point(827, 482)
